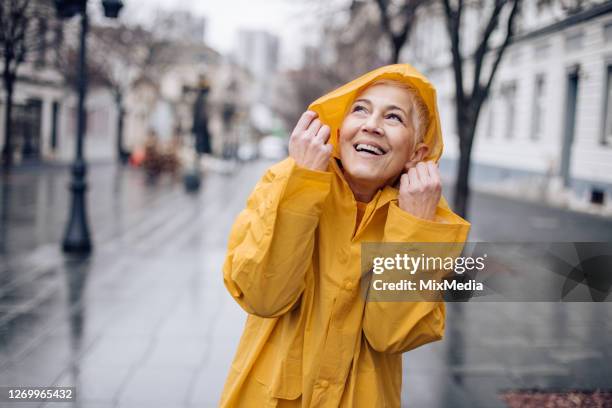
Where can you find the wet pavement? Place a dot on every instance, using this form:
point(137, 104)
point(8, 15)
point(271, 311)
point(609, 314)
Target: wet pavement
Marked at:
point(146, 322)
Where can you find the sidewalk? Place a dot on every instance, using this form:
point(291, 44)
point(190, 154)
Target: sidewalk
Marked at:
point(146, 321)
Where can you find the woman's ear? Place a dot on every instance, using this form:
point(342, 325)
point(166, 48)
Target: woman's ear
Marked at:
point(420, 152)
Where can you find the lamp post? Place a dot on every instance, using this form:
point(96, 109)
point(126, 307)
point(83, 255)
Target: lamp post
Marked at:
point(192, 178)
point(76, 236)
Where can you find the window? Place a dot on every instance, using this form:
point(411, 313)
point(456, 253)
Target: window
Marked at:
point(508, 94)
point(490, 109)
point(538, 107)
point(541, 51)
point(606, 138)
point(41, 55)
point(58, 42)
point(608, 32)
point(574, 41)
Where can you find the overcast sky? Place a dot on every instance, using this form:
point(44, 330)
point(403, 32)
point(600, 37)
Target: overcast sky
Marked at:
point(286, 18)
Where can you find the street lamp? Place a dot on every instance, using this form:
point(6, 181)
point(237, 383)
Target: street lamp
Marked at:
point(76, 236)
point(112, 8)
point(201, 135)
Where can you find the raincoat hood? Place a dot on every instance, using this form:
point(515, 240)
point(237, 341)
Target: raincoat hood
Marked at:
point(333, 106)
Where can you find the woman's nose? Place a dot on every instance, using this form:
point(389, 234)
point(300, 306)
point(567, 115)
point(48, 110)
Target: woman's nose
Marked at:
point(372, 125)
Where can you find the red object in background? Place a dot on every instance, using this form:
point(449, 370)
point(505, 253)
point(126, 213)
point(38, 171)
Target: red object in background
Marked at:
point(137, 157)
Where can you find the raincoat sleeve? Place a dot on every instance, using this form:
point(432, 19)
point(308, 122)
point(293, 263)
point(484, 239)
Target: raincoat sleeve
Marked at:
point(271, 242)
point(397, 327)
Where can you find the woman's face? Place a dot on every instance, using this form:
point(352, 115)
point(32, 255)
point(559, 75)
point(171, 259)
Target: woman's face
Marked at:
point(377, 139)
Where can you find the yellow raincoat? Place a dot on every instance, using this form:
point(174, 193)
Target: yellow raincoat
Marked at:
point(293, 263)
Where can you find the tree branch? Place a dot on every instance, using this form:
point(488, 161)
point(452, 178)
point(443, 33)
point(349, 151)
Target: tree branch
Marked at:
point(453, 24)
point(383, 7)
point(408, 11)
point(482, 48)
point(500, 51)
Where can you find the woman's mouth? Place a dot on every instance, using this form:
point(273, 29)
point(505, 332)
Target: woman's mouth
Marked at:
point(369, 149)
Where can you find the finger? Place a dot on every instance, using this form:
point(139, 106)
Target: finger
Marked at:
point(434, 172)
point(413, 177)
point(304, 121)
point(423, 173)
point(313, 128)
point(323, 134)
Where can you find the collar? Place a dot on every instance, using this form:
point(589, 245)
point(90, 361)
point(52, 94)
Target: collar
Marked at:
point(381, 198)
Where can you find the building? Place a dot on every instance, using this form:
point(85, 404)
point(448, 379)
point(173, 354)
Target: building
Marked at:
point(180, 25)
point(157, 97)
point(44, 123)
point(547, 125)
point(258, 51)
point(38, 93)
point(545, 130)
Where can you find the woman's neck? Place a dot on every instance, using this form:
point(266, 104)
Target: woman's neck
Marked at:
point(361, 191)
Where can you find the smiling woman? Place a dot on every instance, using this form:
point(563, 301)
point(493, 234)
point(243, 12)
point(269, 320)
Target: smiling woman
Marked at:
point(294, 254)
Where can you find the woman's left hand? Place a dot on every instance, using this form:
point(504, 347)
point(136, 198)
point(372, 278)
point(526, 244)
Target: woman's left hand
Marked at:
point(420, 190)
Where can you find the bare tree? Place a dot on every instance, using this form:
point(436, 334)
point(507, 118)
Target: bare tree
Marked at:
point(23, 26)
point(342, 56)
point(502, 18)
point(397, 19)
point(468, 102)
point(302, 87)
point(122, 55)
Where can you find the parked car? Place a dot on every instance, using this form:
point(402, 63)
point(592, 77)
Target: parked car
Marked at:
point(247, 151)
point(273, 148)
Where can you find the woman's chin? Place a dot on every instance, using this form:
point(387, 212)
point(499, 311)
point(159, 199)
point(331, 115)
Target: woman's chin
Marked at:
point(365, 176)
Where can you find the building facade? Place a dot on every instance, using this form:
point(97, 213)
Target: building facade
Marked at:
point(38, 92)
point(548, 120)
point(257, 51)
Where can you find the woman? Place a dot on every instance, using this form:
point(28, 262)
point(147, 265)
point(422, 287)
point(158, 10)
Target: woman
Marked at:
point(362, 168)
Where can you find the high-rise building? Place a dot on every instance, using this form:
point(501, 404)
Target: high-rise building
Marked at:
point(178, 25)
point(257, 51)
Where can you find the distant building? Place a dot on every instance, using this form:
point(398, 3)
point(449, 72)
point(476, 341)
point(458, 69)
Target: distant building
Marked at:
point(44, 113)
point(38, 96)
point(164, 104)
point(258, 51)
point(178, 25)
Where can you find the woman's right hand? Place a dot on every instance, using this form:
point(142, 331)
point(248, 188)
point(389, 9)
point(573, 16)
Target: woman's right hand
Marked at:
point(308, 143)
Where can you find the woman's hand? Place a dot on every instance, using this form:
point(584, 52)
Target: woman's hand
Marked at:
point(420, 190)
point(308, 143)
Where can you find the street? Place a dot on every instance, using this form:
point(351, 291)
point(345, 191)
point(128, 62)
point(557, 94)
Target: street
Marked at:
point(147, 322)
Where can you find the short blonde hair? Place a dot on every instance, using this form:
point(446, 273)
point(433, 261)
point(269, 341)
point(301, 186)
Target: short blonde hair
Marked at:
point(419, 112)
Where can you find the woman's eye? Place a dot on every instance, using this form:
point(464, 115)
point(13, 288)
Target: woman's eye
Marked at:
point(395, 117)
point(359, 108)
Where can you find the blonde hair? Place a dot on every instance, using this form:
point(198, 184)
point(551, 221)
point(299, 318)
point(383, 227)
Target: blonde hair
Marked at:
point(418, 112)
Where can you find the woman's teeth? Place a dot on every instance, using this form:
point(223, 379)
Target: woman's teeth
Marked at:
point(362, 147)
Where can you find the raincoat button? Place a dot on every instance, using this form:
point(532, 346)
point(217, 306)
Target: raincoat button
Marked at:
point(348, 285)
point(324, 383)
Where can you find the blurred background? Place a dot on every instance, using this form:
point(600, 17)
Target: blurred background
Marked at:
point(133, 131)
